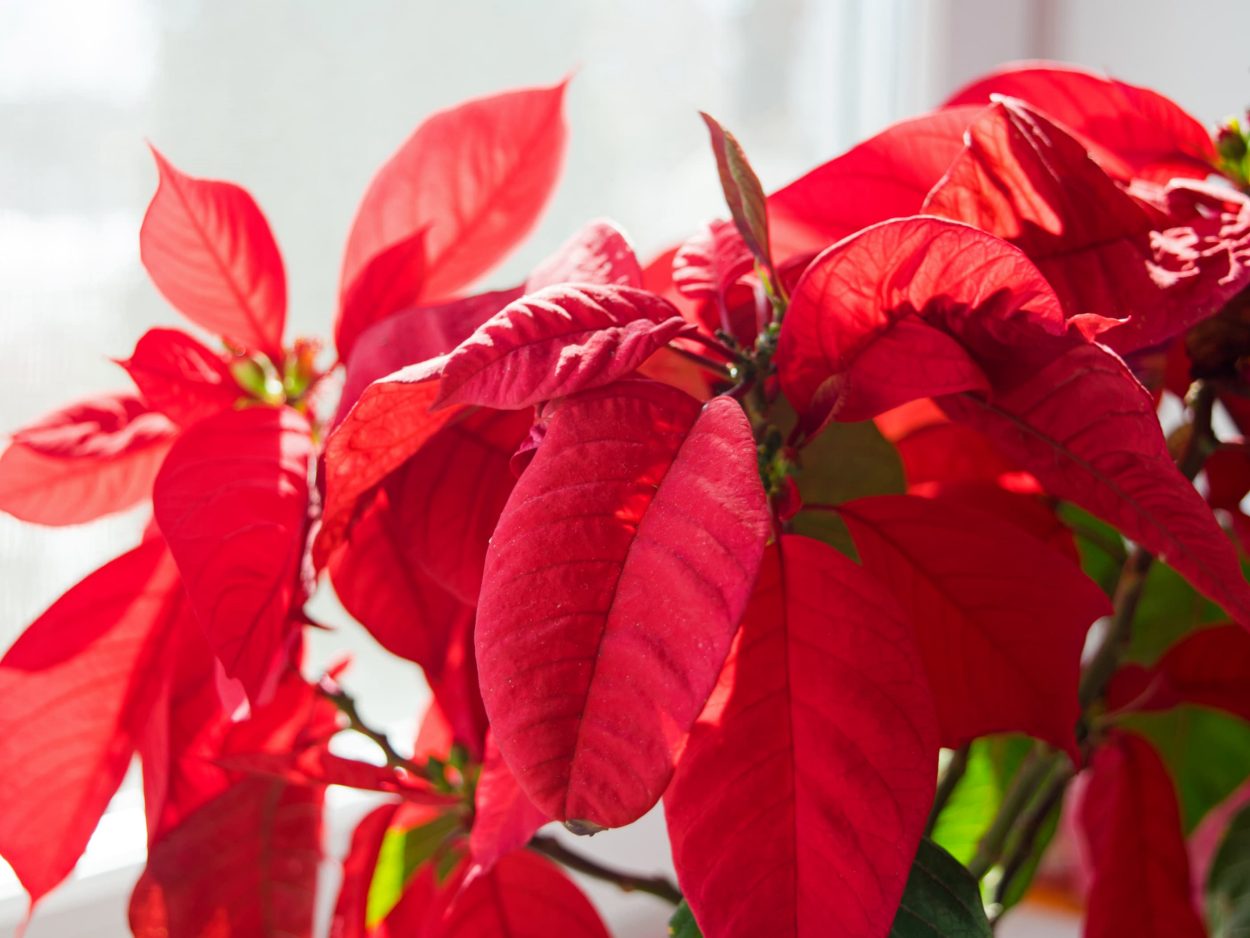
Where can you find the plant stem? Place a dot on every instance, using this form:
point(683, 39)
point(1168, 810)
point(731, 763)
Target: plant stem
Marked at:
point(947, 784)
point(704, 362)
point(1031, 824)
point(659, 886)
point(1036, 768)
point(347, 706)
point(1106, 659)
point(714, 345)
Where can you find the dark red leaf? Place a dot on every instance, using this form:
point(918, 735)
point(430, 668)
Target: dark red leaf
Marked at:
point(599, 253)
point(181, 377)
point(1131, 131)
point(947, 452)
point(707, 265)
point(886, 176)
point(474, 178)
point(743, 193)
point(78, 687)
point(209, 250)
point(1132, 828)
point(391, 281)
point(999, 616)
point(504, 818)
point(613, 585)
point(1210, 667)
point(91, 459)
point(232, 501)
point(556, 342)
point(244, 864)
point(1111, 459)
point(389, 423)
point(1022, 178)
point(801, 796)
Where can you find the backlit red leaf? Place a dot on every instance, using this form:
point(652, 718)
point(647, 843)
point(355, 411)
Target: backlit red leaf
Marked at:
point(244, 864)
point(801, 796)
point(351, 906)
point(613, 585)
point(504, 818)
point(1210, 667)
point(78, 687)
point(999, 616)
point(391, 281)
point(209, 250)
point(743, 193)
point(232, 501)
point(474, 178)
point(886, 176)
point(91, 459)
point(1132, 828)
point(599, 253)
point(181, 377)
point(1111, 459)
point(553, 343)
point(1131, 131)
point(707, 265)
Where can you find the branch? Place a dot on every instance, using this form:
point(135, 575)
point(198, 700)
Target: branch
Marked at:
point(704, 362)
point(659, 886)
point(347, 706)
point(947, 784)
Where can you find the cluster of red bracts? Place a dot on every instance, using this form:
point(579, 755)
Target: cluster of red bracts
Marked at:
point(537, 496)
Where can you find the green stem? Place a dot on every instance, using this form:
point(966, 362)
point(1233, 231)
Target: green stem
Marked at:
point(951, 777)
point(1036, 768)
point(704, 362)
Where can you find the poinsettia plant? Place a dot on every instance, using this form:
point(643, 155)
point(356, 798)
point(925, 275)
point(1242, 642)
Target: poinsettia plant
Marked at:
point(848, 528)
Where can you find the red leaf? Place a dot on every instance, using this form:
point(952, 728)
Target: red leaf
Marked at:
point(1132, 827)
point(78, 686)
point(389, 423)
point(474, 178)
point(1210, 667)
point(504, 818)
point(802, 794)
point(613, 585)
point(181, 377)
point(556, 342)
point(1022, 178)
point(389, 282)
point(707, 265)
point(232, 501)
point(523, 896)
point(1000, 617)
point(599, 253)
point(1131, 131)
point(358, 867)
point(743, 193)
point(210, 252)
point(243, 864)
point(886, 176)
point(950, 452)
point(1111, 460)
point(856, 342)
point(414, 336)
point(91, 459)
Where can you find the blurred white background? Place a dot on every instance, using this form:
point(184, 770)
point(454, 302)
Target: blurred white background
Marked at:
point(300, 101)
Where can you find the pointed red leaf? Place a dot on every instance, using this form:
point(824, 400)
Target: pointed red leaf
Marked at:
point(390, 421)
point(181, 377)
point(523, 896)
point(78, 686)
point(743, 193)
point(209, 250)
point(243, 864)
point(801, 796)
point(391, 281)
point(1131, 131)
point(886, 176)
point(1000, 617)
point(414, 336)
point(1210, 667)
point(857, 339)
point(1088, 431)
point(91, 459)
point(707, 265)
point(1132, 828)
point(504, 818)
point(351, 906)
point(232, 501)
point(599, 253)
point(474, 177)
point(556, 342)
point(1022, 178)
point(613, 585)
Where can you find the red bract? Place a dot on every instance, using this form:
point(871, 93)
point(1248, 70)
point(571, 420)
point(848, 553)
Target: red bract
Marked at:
point(504, 819)
point(180, 377)
point(1210, 668)
point(612, 588)
point(824, 818)
point(599, 253)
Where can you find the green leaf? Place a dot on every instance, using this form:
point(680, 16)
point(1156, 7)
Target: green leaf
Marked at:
point(682, 924)
point(401, 855)
point(1169, 609)
point(1023, 878)
point(1100, 545)
point(941, 899)
point(847, 461)
point(992, 763)
point(1206, 751)
point(1228, 883)
point(743, 193)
